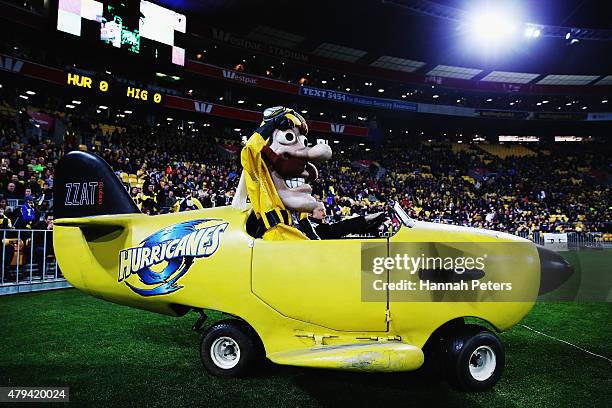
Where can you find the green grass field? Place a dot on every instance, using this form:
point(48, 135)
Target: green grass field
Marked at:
point(113, 355)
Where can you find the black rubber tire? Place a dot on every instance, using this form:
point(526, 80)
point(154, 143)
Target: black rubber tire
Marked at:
point(458, 351)
point(433, 367)
point(246, 339)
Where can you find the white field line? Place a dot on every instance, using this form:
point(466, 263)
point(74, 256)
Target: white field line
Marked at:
point(566, 342)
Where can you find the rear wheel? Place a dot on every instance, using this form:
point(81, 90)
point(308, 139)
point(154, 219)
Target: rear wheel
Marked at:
point(230, 349)
point(474, 358)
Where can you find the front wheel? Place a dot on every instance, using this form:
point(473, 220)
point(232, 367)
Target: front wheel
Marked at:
point(475, 358)
point(229, 349)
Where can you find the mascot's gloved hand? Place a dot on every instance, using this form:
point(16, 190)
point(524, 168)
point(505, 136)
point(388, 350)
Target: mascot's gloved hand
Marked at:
point(281, 118)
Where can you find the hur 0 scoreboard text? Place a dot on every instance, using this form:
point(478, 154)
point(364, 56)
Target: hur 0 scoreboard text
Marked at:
point(84, 81)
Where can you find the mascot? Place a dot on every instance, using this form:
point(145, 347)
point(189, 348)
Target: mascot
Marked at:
point(278, 164)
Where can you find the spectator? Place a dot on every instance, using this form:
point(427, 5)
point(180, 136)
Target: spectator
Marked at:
point(27, 214)
point(5, 222)
point(11, 193)
point(43, 241)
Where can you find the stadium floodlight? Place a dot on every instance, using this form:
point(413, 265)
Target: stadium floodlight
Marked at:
point(304, 111)
point(237, 129)
point(491, 25)
point(76, 102)
point(70, 106)
point(128, 111)
point(103, 107)
point(23, 97)
point(240, 101)
point(348, 89)
point(324, 82)
point(489, 100)
point(604, 101)
point(436, 96)
point(545, 101)
point(381, 90)
point(532, 32)
point(31, 92)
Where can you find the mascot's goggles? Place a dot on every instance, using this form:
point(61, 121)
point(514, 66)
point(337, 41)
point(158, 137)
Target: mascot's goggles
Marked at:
point(292, 119)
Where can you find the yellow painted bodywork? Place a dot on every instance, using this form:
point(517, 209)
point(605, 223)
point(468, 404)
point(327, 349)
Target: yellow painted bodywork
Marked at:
point(303, 298)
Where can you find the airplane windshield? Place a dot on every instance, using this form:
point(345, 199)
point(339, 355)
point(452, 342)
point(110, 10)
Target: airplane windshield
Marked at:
point(402, 215)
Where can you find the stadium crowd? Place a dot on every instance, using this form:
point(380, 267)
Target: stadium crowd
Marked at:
point(558, 189)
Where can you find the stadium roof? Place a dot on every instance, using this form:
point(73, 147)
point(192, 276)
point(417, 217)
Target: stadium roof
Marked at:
point(274, 36)
point(448, 71)
point(397, 64)
point(567, 79)
point(339, 52)
point(384, 29)
point(510, 77)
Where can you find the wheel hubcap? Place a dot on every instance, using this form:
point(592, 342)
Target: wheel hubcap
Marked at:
point(225, 352)
point(482, 363)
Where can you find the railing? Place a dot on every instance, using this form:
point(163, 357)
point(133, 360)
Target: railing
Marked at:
point(536, 237)
point(573, 240)
point(28, 262)
point(16, 202)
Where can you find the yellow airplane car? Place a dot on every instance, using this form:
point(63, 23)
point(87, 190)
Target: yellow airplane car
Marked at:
point(363, 304)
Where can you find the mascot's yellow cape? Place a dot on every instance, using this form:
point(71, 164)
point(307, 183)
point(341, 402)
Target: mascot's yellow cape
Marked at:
point(262, 192)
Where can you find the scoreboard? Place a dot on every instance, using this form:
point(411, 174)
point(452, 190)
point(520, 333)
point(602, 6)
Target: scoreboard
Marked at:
point(104, 86)
point(140, 27)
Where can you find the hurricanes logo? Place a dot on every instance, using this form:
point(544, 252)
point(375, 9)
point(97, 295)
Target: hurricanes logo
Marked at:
point(164, 257)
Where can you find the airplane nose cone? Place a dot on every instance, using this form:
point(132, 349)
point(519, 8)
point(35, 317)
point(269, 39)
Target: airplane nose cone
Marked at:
point(554, 270)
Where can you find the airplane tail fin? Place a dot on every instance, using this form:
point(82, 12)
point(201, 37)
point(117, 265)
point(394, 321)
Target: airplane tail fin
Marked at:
point(85, 185)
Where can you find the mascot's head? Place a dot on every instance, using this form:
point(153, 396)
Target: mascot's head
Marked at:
point(291, 160)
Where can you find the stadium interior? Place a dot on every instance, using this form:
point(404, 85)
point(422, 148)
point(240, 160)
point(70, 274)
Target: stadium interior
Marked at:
point(511, 136)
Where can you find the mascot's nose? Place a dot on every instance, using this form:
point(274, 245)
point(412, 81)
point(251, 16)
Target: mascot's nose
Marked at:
point(317, 153)
point(554, 270)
